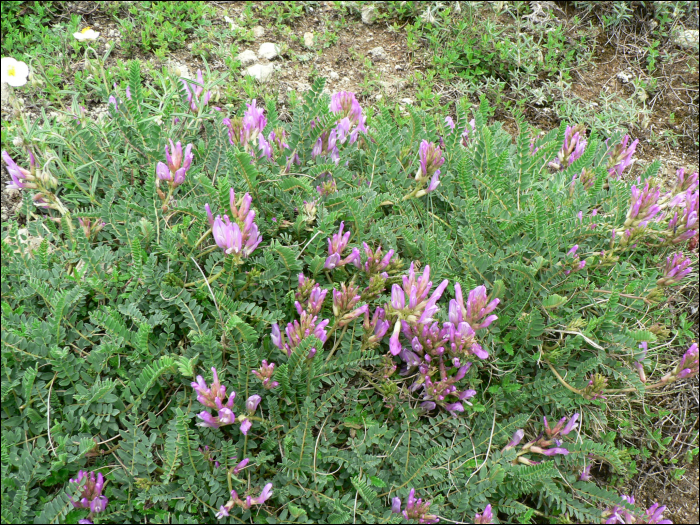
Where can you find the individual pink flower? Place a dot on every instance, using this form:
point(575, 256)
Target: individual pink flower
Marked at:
point(20, 178)
point(621, 157)
point(484, 517)
point(194, 93)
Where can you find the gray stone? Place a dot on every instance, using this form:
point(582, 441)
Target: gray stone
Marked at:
point(369, 14)
point(268, 50)
point(258, 31)
point(378, 53)
point(687, 39)
point(247, 57)
point(333, 75)
point(260, 72)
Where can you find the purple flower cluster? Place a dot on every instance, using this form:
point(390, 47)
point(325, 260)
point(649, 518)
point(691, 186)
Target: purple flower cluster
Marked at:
point(621, 157)
point(430, 160)
point(643, 208)
point(177, 164)
point(90, 496)
point(575, 264)
point(194, 93)
point(297, 331)
point(467, 131)
point(677, 267)
point(548, 443)
point(347, 128)
point(685, 183)
point(309, 296)
point(416, 509)
point(336, 245)
point(19, 177)
point(224, 510)
point(376, 262)
point(440, 354)
point(586, 179)
point(309, 301)
point(376, 328)
point(246, 130)
point(573, 147)
point(327, 185)
point(90, 227)
point(620, 514)
point(344, 302)
point(214, 397)
point(239, 237)
point(686, 367)
point(595, 387)
point(412, 304)
point(265, 374)
point(684, 226)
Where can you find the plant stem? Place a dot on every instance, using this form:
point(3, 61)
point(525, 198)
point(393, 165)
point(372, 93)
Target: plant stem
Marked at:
point(209, 281)
point(647, 301)
point(561, 380)
point(337, 343)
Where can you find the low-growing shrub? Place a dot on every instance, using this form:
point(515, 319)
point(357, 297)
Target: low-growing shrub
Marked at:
point(326, 320)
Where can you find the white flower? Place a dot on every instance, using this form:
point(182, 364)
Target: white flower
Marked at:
point(86, 34)
point(14, 72)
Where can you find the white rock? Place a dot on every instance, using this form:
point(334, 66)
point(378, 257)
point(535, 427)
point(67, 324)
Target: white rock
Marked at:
point(258, 31)
point(406, 101)
point(247, 57)
point(260, 72)
point(687, 39)
point(231, 23)
point(4, 92)
point(268, 50)
point(178, 69)
point(333, 75)
point(308, 39)
point(378, 53)
point(624, 77)
point(369, 14)
point(398, 67)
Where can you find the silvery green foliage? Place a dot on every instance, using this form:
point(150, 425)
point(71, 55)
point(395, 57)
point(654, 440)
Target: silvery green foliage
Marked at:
point(104, 330)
